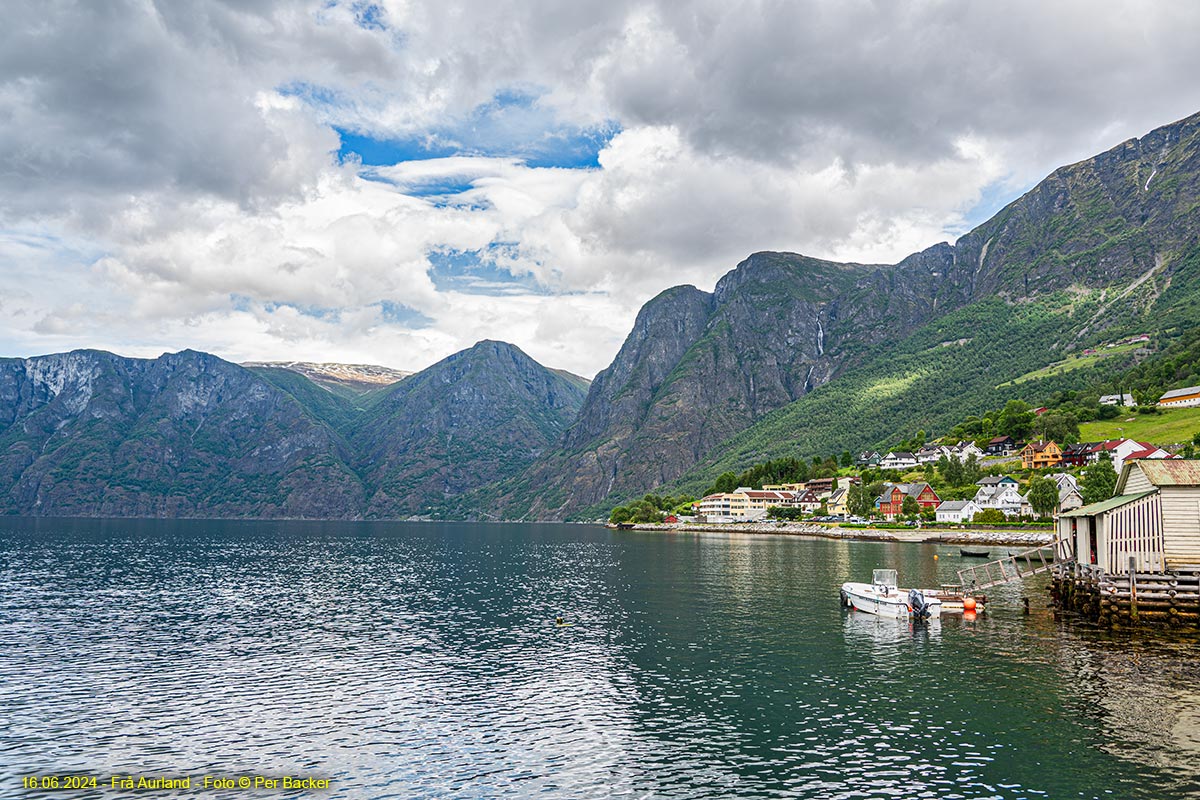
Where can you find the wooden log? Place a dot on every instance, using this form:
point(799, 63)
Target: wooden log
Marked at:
point(1143, 595)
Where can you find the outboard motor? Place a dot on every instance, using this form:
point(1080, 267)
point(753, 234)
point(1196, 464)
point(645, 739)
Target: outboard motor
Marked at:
point(916, 601)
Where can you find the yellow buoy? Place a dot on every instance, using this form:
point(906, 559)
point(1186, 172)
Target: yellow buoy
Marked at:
point(935, 556)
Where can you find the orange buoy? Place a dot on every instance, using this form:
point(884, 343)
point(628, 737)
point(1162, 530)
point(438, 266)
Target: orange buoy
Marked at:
point(935, 556)
point(969, 604)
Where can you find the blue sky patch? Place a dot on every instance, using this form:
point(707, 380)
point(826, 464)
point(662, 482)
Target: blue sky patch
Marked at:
point(400, 314)
point(475, 272)
point(511, 125)
point(994, 197)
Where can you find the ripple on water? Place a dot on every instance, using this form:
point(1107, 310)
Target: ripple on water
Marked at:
point(422, 661)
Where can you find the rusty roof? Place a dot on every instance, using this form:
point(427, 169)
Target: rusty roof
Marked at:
point(1171, 472)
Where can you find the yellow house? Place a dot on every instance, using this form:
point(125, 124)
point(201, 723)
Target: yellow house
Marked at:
point(1041, 454)
point(839, 501)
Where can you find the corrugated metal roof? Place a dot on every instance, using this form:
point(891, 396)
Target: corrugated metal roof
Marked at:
point(1106, 505)
point(1180, 393)
point(1172, 472)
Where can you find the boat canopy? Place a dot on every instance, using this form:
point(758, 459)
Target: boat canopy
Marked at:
point(884, 577)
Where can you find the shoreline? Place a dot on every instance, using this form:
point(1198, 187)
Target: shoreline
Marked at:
point(999, 538)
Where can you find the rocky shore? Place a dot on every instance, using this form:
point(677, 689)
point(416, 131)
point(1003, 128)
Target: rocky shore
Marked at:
point(1002, 538)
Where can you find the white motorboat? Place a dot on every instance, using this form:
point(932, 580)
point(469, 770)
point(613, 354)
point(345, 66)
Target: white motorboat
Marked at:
point(881, 596)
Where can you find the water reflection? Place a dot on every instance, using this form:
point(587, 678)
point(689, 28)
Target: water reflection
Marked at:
point(422, 661)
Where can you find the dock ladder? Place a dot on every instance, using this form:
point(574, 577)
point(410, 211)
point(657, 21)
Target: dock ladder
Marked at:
point(1012, 567)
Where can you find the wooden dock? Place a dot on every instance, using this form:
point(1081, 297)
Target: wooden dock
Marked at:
point(1130, 598)
point(1010, 568)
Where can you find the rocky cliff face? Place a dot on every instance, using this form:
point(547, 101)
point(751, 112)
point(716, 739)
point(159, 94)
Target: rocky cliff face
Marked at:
point(92, 434)
point(89, 433)
point(475, 417)
point(788, 354)
point(699, 368)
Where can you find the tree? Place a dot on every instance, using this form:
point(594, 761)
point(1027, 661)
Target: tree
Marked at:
point(725, 482)
point(909, 507)
point(619, 514)
point(1062, 428)
point(990, 516)
point(846, 459)
point(952, 471)
point(1099, 480)
point(861, 498)
point(1043, 496)
point(1016, 420)
point(642, 511)
point(972, 472)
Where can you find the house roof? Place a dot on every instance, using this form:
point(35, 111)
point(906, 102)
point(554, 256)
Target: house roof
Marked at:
point(1066, 491)
point(1165, 472)
point(1179, 393)
point(995, 480)
point(1110, 444)
point(1106, 505)
point(1040, 446)
point(901, 455)
point(1000, 439)
point(910, 489)
point(955, 505)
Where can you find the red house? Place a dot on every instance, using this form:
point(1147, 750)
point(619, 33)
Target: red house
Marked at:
point(891, 502)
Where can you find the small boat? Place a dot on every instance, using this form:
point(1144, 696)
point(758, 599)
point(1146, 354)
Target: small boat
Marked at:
point(954, 601)
point(882, 597)
point(975, 553)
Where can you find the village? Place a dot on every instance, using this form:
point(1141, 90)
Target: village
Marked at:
point(1120, 517)
point(924, 487)
point(917, 501)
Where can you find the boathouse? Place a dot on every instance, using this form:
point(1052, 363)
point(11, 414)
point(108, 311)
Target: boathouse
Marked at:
point(1147, 535)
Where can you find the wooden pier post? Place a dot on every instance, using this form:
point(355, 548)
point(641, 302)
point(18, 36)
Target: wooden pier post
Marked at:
point(1133, 609)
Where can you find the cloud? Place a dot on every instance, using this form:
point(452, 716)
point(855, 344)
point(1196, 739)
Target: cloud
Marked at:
point(391, 181)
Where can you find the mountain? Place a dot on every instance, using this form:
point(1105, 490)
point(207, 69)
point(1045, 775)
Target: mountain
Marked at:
point(788, 356)
point(88, 433)
point(354, 379)
point(792, 355)
point(477, 416)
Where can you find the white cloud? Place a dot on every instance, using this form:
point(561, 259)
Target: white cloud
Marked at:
point(168, 175)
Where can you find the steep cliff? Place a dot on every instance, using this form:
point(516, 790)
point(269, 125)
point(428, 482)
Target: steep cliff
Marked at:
point(475, 417)
point(93, 434)
point(1098, 247)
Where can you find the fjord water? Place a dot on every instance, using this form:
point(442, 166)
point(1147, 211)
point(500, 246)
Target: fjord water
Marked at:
point(421, 660)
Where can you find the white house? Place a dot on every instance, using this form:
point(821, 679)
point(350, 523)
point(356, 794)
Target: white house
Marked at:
point(899, 460)
point(1118, 400)
point(930, 454)
point(1181, 398)
point(1064, 479)
point(1122, 450)
point(957, 511)
point(1000, 492)
point(965, 450)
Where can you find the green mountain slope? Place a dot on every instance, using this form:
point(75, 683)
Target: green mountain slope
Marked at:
point(800, 356)
point(479, 415)
point(88, 433)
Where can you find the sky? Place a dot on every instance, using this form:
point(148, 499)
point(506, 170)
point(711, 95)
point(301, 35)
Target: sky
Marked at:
point(389, 182)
